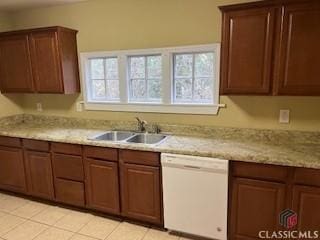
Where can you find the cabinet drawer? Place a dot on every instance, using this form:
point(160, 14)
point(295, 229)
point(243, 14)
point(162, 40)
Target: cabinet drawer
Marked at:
point(260, 171)
point(68, 167)
point(36, 145)
point(69, 192)
point(66, 148)
point(306, 176)
point(110, 154)
point(10, 141)
point(140, 157)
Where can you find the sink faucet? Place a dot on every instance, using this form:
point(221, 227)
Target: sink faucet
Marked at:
point(141, 125)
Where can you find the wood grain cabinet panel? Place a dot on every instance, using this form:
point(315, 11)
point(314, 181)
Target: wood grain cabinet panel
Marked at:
point(12, 174)
point(102, 185)
point(15, 64)
point(141, 192)
point(39, 174)
point(247, 47)
point(306, 203)
point(70, 192)
point(255, 206)
point(300, 50)
point(68, 167)
point(10, 141)
point(45, 62)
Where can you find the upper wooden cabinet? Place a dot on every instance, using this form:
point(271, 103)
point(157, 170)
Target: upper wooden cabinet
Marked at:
point(247, 50)
point(15, 64)
point(39, 60)
point(271, 47)
point(299, 58)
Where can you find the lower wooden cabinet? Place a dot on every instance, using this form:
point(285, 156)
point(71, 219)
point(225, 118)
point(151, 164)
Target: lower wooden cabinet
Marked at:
point(39, 174)
point(102, 185)
point(141, 193)
point(306, 203)
point(260, 193)
point(70, 192)
point(12, 174)
point(255, 207)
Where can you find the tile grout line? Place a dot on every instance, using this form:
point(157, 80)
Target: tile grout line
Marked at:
point(113, 231)
point(143, 237)
point(40, 232)
point(2, 236)
point(48, 225)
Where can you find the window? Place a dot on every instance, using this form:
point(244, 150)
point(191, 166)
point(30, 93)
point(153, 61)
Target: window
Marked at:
point(145, 78)
point(193, 77)
point(169, 80)
point(104, 79)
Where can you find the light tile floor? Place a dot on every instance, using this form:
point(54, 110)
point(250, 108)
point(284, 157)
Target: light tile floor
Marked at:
point(22, 219)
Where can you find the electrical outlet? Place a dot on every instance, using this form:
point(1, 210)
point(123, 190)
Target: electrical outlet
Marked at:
point(284, 116)
point(39, 107)
point(79, 106)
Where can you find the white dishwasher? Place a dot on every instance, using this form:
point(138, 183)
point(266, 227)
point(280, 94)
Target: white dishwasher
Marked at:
point(195, 195)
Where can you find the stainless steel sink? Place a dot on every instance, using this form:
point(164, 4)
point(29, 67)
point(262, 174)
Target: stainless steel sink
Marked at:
point(147, 138)
point(113, 136)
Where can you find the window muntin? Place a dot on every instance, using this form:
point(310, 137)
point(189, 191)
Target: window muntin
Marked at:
point(104, 79)
point(193, 77)
point(145, 75)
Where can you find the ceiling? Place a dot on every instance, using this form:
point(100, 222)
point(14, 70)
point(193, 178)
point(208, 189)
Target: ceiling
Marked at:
point(14, 5)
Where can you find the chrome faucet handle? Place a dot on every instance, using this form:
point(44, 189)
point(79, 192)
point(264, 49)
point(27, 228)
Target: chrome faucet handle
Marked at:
point(141, 124)
point(156, 128)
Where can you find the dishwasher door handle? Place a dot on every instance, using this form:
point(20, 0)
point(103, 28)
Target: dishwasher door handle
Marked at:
point(192, 167)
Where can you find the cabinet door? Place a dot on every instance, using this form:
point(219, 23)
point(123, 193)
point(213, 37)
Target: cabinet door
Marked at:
point(247, 45)
point(140, 192)
point(39, 174)
point(300, 50)
point(15, 64)
point(12, 175)
point(255, 206)
point(102, 185)
point(46, 63)
point(306, 203)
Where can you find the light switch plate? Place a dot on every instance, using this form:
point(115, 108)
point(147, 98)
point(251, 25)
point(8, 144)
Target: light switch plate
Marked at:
point(284, 116)
point(79, 106)
point(39, 107)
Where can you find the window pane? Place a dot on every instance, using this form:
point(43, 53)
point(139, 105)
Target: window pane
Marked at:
point(203, 89)
point(154, 66)
point(98, 89)
point(183, 65)
point(154, 89)
point(138, 90)
point(113, 89)
point(97, 68)
point(112, 68)
point(137, 67)
point(204, 65)
point(183, 90)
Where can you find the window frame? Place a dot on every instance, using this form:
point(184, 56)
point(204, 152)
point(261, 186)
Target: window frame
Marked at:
point(166, 104)
point(105, 79)
point(146, 78)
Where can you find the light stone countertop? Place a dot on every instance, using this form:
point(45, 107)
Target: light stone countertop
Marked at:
point(302, 151)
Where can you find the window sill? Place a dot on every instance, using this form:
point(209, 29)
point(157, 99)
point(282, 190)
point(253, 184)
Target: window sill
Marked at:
point(205, 109)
